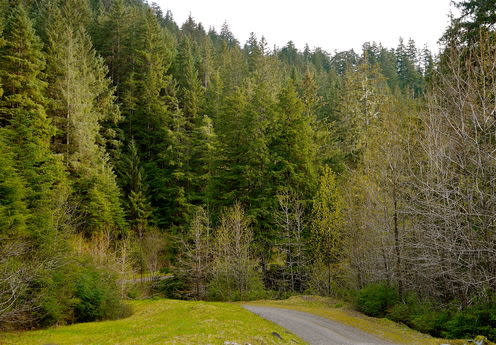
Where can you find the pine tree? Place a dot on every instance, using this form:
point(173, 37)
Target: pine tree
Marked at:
point(293, 150)
point(112, 40)
point(83, 108)
point(135, 190)
point(13, 209)
point(28, 130)
point(191, 93)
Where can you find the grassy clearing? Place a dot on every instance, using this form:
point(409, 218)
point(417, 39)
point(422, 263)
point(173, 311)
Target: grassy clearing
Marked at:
point(338, 311)
point(164, 322)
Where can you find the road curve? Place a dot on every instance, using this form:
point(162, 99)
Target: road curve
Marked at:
point(314, 329)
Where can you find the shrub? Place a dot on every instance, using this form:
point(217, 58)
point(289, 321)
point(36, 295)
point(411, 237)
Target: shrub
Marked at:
point(475, 320)
point(169, 288)
point(430, 321)
point(375, 299)
point(400, 312)
point(97, 296)
point(227, 286)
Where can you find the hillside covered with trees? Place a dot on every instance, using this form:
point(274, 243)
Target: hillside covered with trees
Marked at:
point(133, 147)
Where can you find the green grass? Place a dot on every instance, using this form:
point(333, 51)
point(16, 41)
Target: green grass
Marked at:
point(164, 322)
point(338, 311)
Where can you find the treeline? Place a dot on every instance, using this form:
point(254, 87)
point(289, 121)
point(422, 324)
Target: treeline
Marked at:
point(132, 146)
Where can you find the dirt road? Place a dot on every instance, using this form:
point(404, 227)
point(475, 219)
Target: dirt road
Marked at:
point(316, 330)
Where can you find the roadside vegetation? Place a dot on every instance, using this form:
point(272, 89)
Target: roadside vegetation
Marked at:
point(345, 312)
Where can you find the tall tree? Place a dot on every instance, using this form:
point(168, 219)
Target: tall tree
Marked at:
point(326, 232)
point(27, 128)
point(82, 103)
point(475, 16)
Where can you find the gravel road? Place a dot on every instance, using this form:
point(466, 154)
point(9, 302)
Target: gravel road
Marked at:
point(316, 330)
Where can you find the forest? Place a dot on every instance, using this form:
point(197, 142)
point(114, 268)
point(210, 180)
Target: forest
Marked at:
point(135, 148)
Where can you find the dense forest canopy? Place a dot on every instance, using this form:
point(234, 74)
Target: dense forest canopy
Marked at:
point(132, 145)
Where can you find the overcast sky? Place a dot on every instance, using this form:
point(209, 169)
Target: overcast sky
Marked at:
point(332, 24)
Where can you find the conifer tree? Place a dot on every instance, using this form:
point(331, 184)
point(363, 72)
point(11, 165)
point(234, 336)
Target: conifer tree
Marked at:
point(13, 210)
point(112, 41)
point(154, 119)
point(195, 258)
point(293, 148)
point(135, 190)
point(190, 90)
point(28, 130)
point(82, 104)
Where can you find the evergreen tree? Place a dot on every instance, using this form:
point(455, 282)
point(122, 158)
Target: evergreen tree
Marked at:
point(28, 130)
point(112, 41)
point(82, 102)
point(227, 36)
point(135, 190)
point(475, 16)
point(293, 150)
point(13, 209)
point(154, 119)
point(190, 90)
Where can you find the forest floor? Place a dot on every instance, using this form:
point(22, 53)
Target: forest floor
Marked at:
point(167, 322)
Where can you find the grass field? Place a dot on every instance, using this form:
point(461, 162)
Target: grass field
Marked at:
point(164, 322)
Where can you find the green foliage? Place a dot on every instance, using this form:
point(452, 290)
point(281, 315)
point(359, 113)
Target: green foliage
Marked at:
point(97, 297)
point(82, 107)
point(479, 319)
point(223, 287)
point(376, 299)
point(13, 210)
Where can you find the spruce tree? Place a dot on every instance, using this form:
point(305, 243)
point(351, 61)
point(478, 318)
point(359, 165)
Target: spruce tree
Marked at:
point(135, 190)
point(112, 39)
point(293, 146)
point(84, 110)
point(190, 90)
point(13, 209)
point(27, 128)
point(154, 119)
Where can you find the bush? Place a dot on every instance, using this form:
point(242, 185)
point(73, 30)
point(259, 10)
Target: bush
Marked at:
point(475, 320)
point(225, 286)
point(169, 288)
point(432, 322)
point(400, 312)
point(97, 296)
point(375, 299)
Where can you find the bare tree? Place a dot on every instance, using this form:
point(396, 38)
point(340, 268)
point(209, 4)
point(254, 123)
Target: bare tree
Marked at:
point(291, 219)
point(235, 272)
point(195, 257)
point(452, 204)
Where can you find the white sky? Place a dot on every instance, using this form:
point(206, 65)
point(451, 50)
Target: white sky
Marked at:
point(332, 24)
